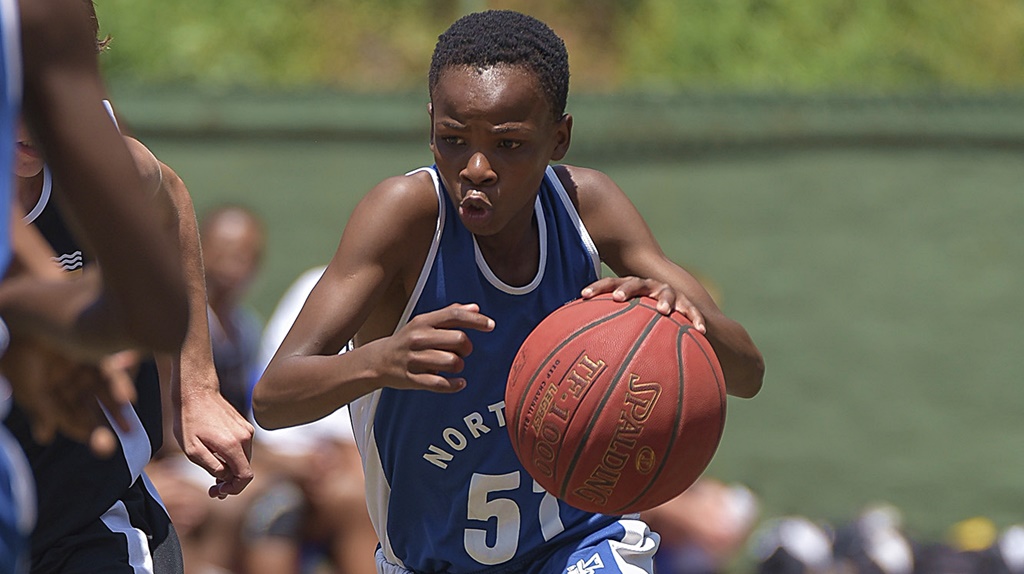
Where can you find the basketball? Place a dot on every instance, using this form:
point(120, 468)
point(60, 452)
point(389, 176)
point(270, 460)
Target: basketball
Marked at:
point(613, 407)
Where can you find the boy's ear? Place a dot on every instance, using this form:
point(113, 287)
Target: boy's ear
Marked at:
point(563, 135)
point(430, 112)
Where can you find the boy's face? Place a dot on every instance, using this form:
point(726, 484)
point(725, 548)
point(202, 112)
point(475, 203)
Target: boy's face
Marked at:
point(493, 134)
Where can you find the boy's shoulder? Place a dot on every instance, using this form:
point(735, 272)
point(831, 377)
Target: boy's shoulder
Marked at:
point(398, 209)
point(413, 193)
point(584, 183)
point(583, 178)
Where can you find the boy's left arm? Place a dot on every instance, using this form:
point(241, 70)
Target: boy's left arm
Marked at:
point(627, 245)
point(208, 429)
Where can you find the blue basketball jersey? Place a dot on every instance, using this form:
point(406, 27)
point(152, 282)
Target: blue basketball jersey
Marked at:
point(445, 490)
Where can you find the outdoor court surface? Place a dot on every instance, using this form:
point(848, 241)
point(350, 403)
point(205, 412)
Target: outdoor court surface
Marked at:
point(882, 283)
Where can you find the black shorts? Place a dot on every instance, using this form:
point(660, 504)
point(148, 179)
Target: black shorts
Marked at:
point(134, 536)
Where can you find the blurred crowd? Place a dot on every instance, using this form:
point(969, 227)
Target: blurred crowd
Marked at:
point(876, 542)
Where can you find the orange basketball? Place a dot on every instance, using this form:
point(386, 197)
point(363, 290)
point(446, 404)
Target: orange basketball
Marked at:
point(614, 407)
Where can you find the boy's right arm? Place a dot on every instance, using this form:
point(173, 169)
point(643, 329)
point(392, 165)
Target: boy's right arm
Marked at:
point(364, 290)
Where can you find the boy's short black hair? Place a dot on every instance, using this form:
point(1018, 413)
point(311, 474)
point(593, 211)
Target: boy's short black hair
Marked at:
point(485, 39)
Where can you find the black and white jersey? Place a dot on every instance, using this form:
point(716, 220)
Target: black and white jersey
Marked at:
point(47, 219)
point(75, 488)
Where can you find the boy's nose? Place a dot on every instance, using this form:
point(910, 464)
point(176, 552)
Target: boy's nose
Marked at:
point(478, 170)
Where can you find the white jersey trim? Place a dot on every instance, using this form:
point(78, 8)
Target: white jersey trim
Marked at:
point(542, 231)
point(151, 489)
point(363, 409)
point(435, 244)
point(23, 487)
point(110, 112)
point(44, 195)
point(574, 215)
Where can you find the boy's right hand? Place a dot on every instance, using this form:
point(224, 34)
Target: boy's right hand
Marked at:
point(433, 343)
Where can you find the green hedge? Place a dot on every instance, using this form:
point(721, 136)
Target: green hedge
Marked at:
point(374, 45)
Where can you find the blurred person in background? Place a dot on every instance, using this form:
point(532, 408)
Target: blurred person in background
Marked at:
point(233, 240)
point(305, 513)
point(307, 520)
point(875, 542)
point(794, 545)
point(704, 528)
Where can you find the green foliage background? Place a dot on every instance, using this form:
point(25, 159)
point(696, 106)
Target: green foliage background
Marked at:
point(758, 45)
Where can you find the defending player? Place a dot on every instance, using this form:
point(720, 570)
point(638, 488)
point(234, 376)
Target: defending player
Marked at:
point(88, 522)
point(439, 276)
point(137, 298)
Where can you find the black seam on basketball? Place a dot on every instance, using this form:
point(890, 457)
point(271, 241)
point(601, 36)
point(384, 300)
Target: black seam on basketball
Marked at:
point(517, 423)
point(720, 384)
point(686, 323)
point(679, 418)
point(604, 400)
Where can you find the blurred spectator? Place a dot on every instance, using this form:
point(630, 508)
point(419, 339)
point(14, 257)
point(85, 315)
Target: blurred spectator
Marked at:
point(703, 528)
point(793, 545)
point(875, 543)
point(311, 516)
point(976, 543)
point(1006, 556)
point(233, 241)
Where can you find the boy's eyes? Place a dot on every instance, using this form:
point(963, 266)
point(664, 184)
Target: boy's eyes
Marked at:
point(503, 144)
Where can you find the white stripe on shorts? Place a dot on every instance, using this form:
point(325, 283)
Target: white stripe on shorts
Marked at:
point(139, 558)
point(635, 552)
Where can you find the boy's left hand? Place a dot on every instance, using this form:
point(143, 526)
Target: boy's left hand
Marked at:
point(624, 288)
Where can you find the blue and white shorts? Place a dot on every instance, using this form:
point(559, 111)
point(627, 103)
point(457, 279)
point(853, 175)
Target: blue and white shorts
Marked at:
point(623, 547)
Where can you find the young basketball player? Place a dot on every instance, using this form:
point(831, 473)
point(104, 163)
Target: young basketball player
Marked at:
point(439, 276)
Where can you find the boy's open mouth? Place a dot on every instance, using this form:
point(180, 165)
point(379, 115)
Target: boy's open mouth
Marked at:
point(475, 204)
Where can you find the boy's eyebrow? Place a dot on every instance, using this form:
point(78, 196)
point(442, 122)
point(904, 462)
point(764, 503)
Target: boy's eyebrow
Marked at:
point(508, 128)
point(505, 128)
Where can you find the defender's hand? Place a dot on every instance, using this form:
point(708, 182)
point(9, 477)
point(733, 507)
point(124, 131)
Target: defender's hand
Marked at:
point(216, 437)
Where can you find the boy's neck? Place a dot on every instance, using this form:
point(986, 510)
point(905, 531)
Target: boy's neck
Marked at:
point(513, 257)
